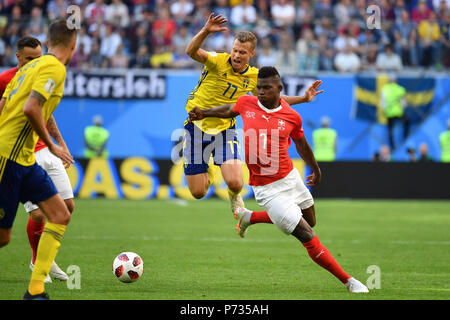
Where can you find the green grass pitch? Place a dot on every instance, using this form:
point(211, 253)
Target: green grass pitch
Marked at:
point(191, 251)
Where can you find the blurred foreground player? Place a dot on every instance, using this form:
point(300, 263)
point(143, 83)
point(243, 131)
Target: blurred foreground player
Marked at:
point(29, 48)
point(28, 102)
point(269, 124)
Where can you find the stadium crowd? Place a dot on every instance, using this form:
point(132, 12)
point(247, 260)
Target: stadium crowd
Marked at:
point(298, 36)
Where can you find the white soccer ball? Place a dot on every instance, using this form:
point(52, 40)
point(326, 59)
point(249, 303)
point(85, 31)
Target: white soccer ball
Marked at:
point(128, 267)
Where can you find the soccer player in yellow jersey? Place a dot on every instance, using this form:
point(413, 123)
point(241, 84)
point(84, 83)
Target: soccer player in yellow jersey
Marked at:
point(225, 77)
point(27, 103)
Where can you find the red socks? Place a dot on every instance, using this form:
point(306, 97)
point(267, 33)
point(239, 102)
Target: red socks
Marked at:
point(323, 258)
point(34, 231)
point(260, 217)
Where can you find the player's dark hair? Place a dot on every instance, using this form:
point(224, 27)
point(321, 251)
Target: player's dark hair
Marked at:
point(246, 36)
point(27, 41)
point(60, 34)
point(268, 72)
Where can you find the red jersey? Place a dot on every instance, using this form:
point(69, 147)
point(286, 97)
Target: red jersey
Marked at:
point(267, 134)
point(5, 78)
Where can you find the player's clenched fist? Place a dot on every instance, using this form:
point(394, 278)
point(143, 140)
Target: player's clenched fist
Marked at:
point(196, 114)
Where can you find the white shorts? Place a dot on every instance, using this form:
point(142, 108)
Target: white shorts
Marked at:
point(56, 171)
point(284, 200)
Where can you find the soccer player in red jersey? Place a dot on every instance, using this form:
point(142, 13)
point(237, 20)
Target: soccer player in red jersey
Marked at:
point(269, 125)
point(29, 48)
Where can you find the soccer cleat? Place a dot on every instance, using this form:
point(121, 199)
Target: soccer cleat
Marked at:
point(243, 215)
point(40, 296)
point(57, 273)
point(236, 201)
point(355, 286)
point(47, 278)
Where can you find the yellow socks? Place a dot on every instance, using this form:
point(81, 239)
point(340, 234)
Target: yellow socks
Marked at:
point(46, 253)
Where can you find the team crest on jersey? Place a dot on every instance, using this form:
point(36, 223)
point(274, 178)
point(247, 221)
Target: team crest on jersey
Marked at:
point(281, 124)
point(246, 82)
point(250, 114)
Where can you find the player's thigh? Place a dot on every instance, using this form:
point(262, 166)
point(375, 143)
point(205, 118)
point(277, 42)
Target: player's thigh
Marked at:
point(198, 184)
point(11, 175)
point(283, 212)
point(55, 210)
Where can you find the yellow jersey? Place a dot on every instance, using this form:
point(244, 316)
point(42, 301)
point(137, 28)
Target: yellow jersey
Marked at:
point(45, 75)
point(219, 84)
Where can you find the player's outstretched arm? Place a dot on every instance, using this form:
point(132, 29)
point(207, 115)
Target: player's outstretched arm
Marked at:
point(305, 151)
point(213, 25)
point(33, 112)
point(310, 94)
point(225, 111)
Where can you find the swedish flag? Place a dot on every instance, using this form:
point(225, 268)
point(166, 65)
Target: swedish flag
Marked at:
point(419, 97)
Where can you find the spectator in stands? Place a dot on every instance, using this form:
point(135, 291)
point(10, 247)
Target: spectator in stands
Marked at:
point(304, 9)
point(430, 41)
point(445, 32)
point(262, 28)
point(95, 12)
point(412, 154)
point(222, 7)
point(109, 44)
point(344, 40)
point(399, 7)
point(79, 60)
point(182, 38)
point(388, 60)
point(307, 49)
point(347, 60)
point(181, 10)
point(286, 62)
point(423, 152)
point(95, 58)
point(162, 58)
point(369, 59)
point(283, 13)
point(343, 11)
point(267, 55)
point(444, 141)
point(323, 8)
point(36, 18)
point(142, 58)
point(243, 15)
point(57, 9)
point(164, 26)
point(421, 12)
point(117, 14)
point(139, 8)
point(85, 39)
point(221, 41)
point(405, 36)
point(139, 38)
point(120, 60)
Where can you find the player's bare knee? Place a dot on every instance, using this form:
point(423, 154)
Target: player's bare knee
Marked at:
point(37, 216)
point(198, 194)
point(235, 185)
point(303, 231)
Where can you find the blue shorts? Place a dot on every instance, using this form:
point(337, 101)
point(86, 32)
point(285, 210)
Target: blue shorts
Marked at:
point(199, 146)
point(21, 184)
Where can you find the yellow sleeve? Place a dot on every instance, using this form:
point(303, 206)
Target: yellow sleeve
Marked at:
point(7, 90)
point(436, 32)
point(49, 77)
point(214, 59)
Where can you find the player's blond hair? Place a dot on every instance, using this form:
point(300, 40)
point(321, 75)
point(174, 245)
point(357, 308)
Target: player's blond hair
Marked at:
point(246, 36)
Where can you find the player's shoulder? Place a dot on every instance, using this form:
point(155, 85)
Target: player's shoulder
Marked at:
point(290, 111)
point(8, 74)
point(248, 99)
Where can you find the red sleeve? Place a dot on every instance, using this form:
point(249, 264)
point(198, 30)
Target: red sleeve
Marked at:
point(5, 78)
point(297, 133)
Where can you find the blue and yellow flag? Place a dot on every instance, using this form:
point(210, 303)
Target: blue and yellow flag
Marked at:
point(419, 97)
